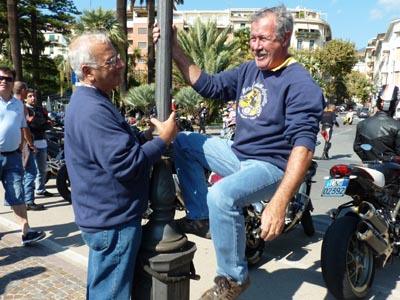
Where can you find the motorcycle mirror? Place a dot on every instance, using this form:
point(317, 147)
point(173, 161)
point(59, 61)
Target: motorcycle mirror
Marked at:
point(366, 147)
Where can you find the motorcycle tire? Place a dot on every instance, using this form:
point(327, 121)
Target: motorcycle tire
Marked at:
point(347, 264)
point(307, 223)
point(63, 184)
point(254, 251)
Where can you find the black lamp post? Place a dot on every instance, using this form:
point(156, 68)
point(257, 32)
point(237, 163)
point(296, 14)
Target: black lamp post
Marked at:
point(165, 260)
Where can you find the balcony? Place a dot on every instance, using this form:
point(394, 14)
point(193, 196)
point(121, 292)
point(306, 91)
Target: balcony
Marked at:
point(305, 34)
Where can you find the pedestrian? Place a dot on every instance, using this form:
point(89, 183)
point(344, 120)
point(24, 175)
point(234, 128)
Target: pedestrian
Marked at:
point(39, 122)
point(108, 166)
point(12, 120)
point(327, 121)
point(380, 131)
point(29, 151)
point(202, 114)
point(279, 107)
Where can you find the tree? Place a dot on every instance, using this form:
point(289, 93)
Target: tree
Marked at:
point(14, 37)
point(187, 100)
point(211, 50)
point(358, 86)
point(122, 18)
point(150, 5)
point(336, 61)
point(142, 98)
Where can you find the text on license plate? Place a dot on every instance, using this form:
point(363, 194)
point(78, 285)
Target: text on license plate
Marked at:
point(335, 187)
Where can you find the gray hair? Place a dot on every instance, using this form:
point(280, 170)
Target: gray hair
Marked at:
point(284, 20)
point(80, 50)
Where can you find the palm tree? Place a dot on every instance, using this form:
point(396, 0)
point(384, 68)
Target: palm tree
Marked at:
point(210, 49)
point(122, 18)
point(150, 4)
point(142, 98)
point(14, 37)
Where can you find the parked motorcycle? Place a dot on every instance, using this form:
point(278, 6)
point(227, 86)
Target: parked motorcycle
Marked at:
point(56, 162)
point(298, 211)
point(365, 232)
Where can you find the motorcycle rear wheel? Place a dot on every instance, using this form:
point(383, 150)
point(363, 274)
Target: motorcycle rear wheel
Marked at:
point(347, 264)
point(63, 184)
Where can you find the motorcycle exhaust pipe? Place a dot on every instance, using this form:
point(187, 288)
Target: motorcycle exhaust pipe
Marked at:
point(368, 212)
point(367, 233)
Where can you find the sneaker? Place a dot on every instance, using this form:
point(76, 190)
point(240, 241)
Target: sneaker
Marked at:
point(45, 194)
point(32, 237)
point(225, 289)
point(34, 206)
point(200, 228)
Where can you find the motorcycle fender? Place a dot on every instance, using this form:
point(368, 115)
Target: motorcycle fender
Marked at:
point(378, 177)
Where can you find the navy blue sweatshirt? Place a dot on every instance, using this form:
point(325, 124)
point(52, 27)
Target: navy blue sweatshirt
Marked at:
point(276, 110)
point(109, 169)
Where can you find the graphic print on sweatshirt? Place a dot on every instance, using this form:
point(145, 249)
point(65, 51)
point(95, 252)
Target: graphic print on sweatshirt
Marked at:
point(252, 101)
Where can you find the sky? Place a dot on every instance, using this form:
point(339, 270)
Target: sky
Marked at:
point(356, 21)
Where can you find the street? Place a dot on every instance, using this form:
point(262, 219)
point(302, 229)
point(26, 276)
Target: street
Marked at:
point(289, 269)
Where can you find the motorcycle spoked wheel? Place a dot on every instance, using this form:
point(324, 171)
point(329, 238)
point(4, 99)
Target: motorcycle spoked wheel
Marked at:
point(347, 264)
point(63, 184)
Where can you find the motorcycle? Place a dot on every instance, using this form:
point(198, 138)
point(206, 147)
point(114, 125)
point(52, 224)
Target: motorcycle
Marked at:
point(298, 211)
point(348, 119)
point(56, 162)
point(365, 232)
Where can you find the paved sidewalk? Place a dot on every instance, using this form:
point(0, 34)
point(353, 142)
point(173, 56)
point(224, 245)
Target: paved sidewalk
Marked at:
point(35, 272)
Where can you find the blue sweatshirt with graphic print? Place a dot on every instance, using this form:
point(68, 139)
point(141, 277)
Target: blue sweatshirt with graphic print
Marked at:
point(276, 110)
point(108, 167)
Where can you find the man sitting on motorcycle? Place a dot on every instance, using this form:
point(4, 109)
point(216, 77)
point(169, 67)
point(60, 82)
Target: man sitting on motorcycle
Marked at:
point(380, 131)
point(327, 121)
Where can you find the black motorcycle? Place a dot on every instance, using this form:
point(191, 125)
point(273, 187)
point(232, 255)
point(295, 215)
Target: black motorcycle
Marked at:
point(365, 232)
point(56, 162)
point(298, 211)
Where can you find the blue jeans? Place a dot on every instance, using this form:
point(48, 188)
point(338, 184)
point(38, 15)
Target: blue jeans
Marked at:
point(11, 175)
point(112, 258)
point(41, 167)
point(29, 179)
point(244, 182)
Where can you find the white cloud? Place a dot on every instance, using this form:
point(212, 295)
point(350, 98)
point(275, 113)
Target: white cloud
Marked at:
point(389, 5)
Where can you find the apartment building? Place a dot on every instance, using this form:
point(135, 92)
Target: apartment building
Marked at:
point(384, 51)
point(311, 29)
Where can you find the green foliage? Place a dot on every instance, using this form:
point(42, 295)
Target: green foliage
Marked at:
point(358, 86)
point(243, 36)
point(34, 18)
point(211, 50)
point(103, 20)
point(187, 99)
point(141, 98)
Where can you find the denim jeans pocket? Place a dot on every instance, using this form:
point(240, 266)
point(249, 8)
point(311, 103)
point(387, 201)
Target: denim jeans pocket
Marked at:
point(96, 241)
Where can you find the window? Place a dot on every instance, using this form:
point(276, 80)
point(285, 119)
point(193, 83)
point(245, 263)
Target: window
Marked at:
point(311, 44)
point(52, 37)
point(142, 31)
point(142, 45)
point(299, 43)
point(141, 61)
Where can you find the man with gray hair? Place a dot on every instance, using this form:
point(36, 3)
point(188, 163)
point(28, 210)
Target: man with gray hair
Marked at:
point(279, 106)
point(109, 167)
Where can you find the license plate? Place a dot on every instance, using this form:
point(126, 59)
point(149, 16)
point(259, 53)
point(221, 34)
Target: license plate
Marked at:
point(335, 187)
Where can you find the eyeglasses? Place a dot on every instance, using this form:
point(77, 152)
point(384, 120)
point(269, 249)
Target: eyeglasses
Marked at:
point(112, 62)
point(6, 78)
